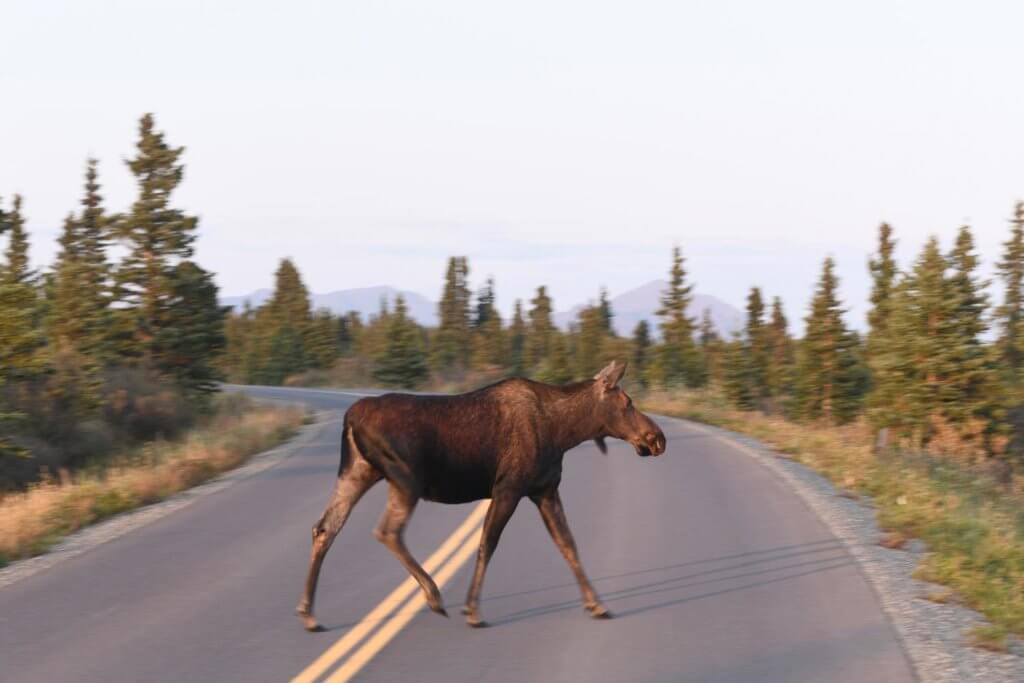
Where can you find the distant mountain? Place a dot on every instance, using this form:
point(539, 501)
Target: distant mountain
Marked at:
point(366, 300)
point(639, 304)
point(629, 307)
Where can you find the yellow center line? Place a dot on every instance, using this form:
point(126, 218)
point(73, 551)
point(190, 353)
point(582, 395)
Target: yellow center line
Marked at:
point(388, 631)
point(356, 634)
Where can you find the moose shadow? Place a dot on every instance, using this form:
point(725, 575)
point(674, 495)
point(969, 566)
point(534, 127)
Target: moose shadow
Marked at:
point(753, 568)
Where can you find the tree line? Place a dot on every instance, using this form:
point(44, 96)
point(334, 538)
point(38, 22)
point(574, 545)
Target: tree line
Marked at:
point(116, 341)
point(926, 372)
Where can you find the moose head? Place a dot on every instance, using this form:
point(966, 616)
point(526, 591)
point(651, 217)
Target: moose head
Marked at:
point(618, 416)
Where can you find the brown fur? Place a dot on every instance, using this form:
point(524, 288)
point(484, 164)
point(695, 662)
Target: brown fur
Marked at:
point(503, 442)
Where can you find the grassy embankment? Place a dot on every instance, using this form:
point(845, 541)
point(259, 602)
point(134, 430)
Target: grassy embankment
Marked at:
point(33, 520)
point(972, 524)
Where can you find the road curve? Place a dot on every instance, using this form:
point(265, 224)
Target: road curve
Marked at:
point(714, 569)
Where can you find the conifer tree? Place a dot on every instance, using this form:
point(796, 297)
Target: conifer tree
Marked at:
point(20, 339)
point(283, 325)
point(322, 339)
point(1010, 315)
point(972, 387)
point(488, 338)
point(350, 326)
point(403, 362)
point(607, 315)
point(711, 347)
point(779, 351)
point(16, 269)
point(289, 305)
point(592, 330)
point(828, 377)
point(80, 315)
point(756, 341)
point(452, 343)
point(517, 342)
point(156, 237)
point(677, 361)
point(556, 368)
point(737, 380)
point(484, 309)
point(192, 338)
point(883, 279)
point(541, 329)
point(641, 353)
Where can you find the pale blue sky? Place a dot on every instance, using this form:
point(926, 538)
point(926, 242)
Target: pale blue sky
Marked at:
point(564, 143)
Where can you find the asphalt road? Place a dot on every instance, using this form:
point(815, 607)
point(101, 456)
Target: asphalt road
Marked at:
point(714, 569)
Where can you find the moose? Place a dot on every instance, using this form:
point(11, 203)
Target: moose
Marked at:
point(502, 442)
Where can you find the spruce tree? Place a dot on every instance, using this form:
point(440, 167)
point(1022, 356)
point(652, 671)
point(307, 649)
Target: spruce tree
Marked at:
point(157, 237)
point(322, 339)
point(757, 351)
point(488, 338)
point(16, 269)
point(484, 309)
point(779, 352)
point(452, 342)
point(828, 375)
point(190, 342)
point(593, 328)
point(541, 329)
point(973, 391)
point(289, 305)
point(883, 270)
point(403, 362)
point(737, 378)
point(517, 342)
point(607, 315)
point(283, 327)
point(20, 338)
point(350, 326)
point(711, 347)
point(556, 368)
point(1010, 315)
point(677, 361)
point(641, 353)
point(80, 314)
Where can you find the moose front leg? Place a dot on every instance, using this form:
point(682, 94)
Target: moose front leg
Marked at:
point(551, 511)
point(500, 511)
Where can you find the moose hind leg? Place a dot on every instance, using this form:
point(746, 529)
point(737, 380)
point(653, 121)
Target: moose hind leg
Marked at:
point(553, 514)
point(351, 486)
point(500, 511)
point(390, 531)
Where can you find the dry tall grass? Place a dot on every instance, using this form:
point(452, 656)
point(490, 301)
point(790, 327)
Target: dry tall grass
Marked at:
point(33, 520)
point(970, 516)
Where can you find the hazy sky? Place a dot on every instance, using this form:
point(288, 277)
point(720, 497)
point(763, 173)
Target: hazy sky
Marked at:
point(564, 143)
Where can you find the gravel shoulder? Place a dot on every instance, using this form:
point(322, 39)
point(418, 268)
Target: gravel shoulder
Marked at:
point(933, 634)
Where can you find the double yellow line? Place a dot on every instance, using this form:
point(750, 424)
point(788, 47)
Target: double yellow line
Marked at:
point(446, 560)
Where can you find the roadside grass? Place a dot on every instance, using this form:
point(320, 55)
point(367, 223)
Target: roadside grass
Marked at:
point(972, 524)
point(34, 520)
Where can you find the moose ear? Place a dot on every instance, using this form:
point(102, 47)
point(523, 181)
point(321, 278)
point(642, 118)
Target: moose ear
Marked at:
point(610, 376)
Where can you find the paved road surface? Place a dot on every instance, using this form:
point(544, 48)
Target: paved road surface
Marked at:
point(715, 571)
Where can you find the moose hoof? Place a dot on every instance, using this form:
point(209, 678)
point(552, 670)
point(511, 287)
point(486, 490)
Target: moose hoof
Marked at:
point(476, 622)
point(473, 618)
point(439, 609)
point(310, 623)
point(599, 611)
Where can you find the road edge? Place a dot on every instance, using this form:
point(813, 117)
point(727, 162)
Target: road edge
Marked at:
point(95, 535)
point(932, 634)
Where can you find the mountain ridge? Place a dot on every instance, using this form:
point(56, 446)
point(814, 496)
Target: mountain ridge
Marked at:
point(629, 307)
